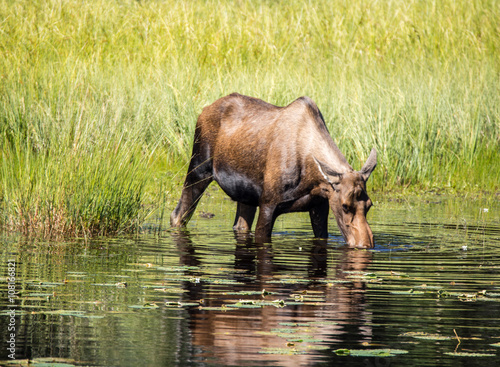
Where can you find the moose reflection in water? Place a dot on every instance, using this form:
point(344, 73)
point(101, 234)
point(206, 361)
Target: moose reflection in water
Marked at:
point(233, 336)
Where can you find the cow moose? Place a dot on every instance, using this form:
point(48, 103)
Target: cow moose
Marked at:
point(280, 159)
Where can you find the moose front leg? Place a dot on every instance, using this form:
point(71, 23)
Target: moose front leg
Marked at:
point(265, 223)
point(245, 215)
point(319, 219)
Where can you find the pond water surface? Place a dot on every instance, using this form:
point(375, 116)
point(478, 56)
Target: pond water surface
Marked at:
point(428, 294)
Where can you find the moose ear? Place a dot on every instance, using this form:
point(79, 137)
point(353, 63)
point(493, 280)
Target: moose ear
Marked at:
point(369, 166)
point(328, 173)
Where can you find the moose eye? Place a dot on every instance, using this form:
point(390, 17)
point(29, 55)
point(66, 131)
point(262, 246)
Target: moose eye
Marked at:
point(335, 187)
point(345, 208)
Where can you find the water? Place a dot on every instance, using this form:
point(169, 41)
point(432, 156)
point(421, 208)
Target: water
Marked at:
point(427, 295)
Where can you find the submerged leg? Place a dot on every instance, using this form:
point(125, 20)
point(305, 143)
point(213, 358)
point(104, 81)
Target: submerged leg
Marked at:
point(319, 219)
point(245, 215)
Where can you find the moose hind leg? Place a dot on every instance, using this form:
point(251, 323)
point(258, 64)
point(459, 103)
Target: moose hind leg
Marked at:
point(199, 176)
point(191, 194)
point(245, 215)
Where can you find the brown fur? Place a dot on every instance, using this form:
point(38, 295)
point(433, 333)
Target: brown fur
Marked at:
point(281, 159)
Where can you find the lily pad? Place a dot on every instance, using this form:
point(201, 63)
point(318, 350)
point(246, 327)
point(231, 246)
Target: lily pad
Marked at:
point(305, 339)
point(170, 290)
point(410, 291)
point(245, 305)
point(249, 293)
point(252, 303)
point(470, 354)
point(181, 304)
point(369, 352)
point(145, 306)
point(427, 336)
point(323, 323)
point(211, 308)
point(73, 313)
point(284, 331)
point(317, 347)
point(295, 324)
point(282, 351)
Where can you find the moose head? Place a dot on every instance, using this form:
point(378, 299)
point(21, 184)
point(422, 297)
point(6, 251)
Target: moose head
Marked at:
point(349, 201)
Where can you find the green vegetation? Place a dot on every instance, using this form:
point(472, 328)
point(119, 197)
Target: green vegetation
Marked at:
point(98, 99)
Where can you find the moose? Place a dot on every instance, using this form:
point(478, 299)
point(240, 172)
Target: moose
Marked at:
point(280, 159)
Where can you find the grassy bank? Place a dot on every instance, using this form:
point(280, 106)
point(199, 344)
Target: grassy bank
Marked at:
point(98, 99)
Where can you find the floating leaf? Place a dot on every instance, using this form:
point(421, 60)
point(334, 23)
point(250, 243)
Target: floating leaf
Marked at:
point(342, 352)
point(317, 347)
point(105, 284)
point(279, 303)
point(73, 313)
point(443, 293)
point(289, 281)
point(323, 323)
point(170, 290)
point(410, 291)
point(426, 336)
point(252, 303)
point(469, 354)
point(181, 304)
point(305, 339)
point(220, 281)
point(245, 305)
point(283, 331)
point(284, 351)
point(249, 293)
point(369, 352)
point(295, 324)
point(210, 308)
point(266, 293)
point(147, 305)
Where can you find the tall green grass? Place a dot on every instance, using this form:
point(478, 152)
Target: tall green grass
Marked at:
point(98, 99)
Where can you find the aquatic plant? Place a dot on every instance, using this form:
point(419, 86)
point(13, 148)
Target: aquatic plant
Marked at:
point(76, 194)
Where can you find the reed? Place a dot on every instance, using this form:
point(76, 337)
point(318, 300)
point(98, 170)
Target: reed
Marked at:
point(98, 99)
